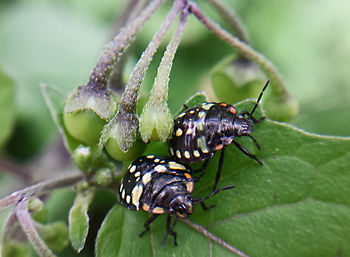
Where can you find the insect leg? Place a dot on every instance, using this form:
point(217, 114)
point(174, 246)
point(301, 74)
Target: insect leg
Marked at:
point(169, 230)
point(147, 223)
point(245, 151)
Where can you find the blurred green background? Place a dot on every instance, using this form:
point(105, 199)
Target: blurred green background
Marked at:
point(58, 42)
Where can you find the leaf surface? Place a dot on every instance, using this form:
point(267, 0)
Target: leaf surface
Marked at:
point(296, 204)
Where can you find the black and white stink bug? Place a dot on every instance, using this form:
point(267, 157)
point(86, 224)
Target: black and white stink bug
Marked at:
point(160, 185)
point(204, 129)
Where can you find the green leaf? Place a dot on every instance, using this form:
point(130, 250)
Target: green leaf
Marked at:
point(194, 100)
point(79, 219)
point(6, 106)
point(54, 100)
point(296, 204)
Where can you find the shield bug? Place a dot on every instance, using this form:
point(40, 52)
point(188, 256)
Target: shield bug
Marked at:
point(160, 185)
point(204, 129)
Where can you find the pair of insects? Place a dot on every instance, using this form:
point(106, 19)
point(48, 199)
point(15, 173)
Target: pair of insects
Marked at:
point(161, 185)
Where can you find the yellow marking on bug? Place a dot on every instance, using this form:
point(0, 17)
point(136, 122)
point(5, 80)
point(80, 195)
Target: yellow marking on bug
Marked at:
point(189, 131)
point(171, 151)
point(176, 166)
point(132, 169)
point(135, 195)
point(146, 178)
point(150, 156)
point(181, 115)
point(160, 168)
point(123, 194)
point(207, 106)
point(201, 114)
point(202, 144)
point(178, 132)
point(187, 155)
point(137, 174)
point(196, 153)
point(156, 160)
point(178, 154)
point(127, 199)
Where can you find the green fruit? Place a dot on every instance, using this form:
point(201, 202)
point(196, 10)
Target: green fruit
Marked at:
point(84, 125)
point(116, 153)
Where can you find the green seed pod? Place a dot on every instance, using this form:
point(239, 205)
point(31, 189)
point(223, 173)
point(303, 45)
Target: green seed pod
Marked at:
point(104, 177)
point(87, 110)
point(54, 234)
point(236, 78)
point(82, 157)
point(116, 153)
point(37, 209)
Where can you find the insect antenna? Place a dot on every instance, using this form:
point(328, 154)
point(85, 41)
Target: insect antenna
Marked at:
point(259, 98)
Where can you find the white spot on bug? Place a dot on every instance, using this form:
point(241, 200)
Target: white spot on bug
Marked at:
point(137, 180)
point(171, 151)
point(121, 188)
point(137, 174)
point(192, 111)
point(162, 161)
point(200, 126)
point(176, 166)
point(156, 160)
point(146, 178)
point(201, 114)
point(127, 199)
point(150, 156)
point(132, 169)
point(160, 168)
point(135, 195)
point(207, 106)
point(189, 131)
point(196, 153)
point(178, 132)
point(178, 154)
point(187, 155)
point(123, 193)
point(202, 144)
point(181, 115)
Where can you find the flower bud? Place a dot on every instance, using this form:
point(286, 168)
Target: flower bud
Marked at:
point(234, 79)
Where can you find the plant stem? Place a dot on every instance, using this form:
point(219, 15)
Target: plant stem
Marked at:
point(28, 227)
point(214, 238)
point(40, 187)
point(126, 120)
point(133, 8)
point(244, 49)
point(159, 91)
point(232, 19)
point(117, 46)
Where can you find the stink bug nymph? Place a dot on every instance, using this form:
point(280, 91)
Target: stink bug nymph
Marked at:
point(204, 129)
point(160, 185)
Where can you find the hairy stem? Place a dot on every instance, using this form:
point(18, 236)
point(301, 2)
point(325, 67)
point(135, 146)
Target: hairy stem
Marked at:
point(214, 238)
point(232, 19)
point(117, 46)
point(133, 8)
point(244, 49)
point(40, 187)
point(126, 120)
point(28, 227)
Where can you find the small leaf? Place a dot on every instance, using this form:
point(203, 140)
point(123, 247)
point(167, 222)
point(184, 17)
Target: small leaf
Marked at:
point(55, 235)
point(54, 100)
point(6, 106)
point(194, 100)
point(79, 219)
